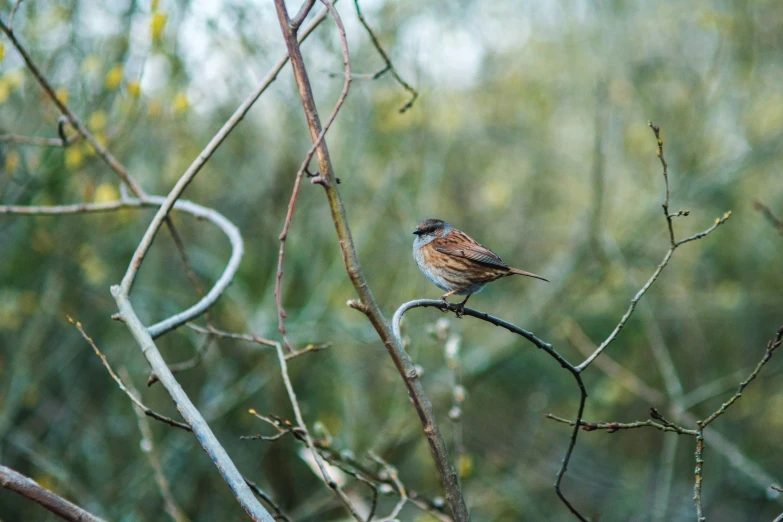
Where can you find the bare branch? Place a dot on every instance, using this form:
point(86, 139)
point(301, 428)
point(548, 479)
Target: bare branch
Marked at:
point(260, 493)
point(769, 216)
point(304, 166)
point(297, 20)
point(11, 16)
point(393, 475)
point(698, 470)
point(611, 427)
point(308, 440)
point(27, 487)
point(411, 376)
point(148, 447)
point(129, 393)
point(771, 347)
point(673, 246)
point(202, 158)
point(389, 67)
point(258, 340)
point(102, 152)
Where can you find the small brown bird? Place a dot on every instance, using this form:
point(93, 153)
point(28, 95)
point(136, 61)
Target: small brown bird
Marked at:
point(455, 262)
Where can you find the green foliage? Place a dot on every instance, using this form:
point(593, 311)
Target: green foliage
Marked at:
point(530, 134)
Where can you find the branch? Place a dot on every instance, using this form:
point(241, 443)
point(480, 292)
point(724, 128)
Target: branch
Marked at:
point(27, 487)
point(772, 345)
point(389, 67)
point(308, 439)
point(202, 158)
point(769, 216)
point(198, 211)
point(673, 246)
point(368, 304)
point(303, 168)
point(409, 370)
point(148, 448)
point(102, 152)
point(147, 411)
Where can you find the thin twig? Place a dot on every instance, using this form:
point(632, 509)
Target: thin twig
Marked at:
point(147, 411)
point(29, 488)
point(657, 131)
point(389, 67)
point(308, 440)
point(148, 447)
point(203, 157)
point(260, 493)
point(297, 20)
point(673, 246)
point(698, 471)
point(189, 364)
point(304, 166)
point(393, 475)
point(100, 150)
point(258, 340)
point(769, 216)
point(611, 427)
point(771, 347)
point(11, 16)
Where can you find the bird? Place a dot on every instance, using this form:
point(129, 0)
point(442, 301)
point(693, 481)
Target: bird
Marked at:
point(457, 263)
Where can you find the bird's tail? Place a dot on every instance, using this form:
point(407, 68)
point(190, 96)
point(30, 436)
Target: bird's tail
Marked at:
point(529, 274)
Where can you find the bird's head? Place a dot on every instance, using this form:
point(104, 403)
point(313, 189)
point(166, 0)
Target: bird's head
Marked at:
point(430, 229)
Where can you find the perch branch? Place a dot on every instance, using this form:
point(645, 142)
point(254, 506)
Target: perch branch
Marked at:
point(530, 337)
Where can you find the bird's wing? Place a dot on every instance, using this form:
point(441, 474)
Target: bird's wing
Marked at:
point(459, 244)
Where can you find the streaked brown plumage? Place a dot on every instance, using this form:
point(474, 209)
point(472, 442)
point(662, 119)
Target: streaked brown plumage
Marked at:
point(455, 262)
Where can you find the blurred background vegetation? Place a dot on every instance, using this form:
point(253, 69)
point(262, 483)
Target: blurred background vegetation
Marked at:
point(530, 134)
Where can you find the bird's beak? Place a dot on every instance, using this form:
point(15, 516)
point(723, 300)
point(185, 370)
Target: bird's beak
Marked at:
point(418, 232)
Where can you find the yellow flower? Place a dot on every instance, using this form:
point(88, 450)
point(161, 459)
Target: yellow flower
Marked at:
point(11, 161)
point(62, 94)
point(134, 88)
point(106, 192)
point(157, 23)
point(91, 64)
point(114, 77)
point(180, 103)
point(73, 157)
point(2, 52)
point(97, 121)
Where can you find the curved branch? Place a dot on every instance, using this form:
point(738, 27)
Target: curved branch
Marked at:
point(203, 157)
point(199, 211)
point(29, 488)
point(442, 305)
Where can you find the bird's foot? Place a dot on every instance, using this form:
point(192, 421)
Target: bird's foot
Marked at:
point(460, 310)
point(444, 306)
